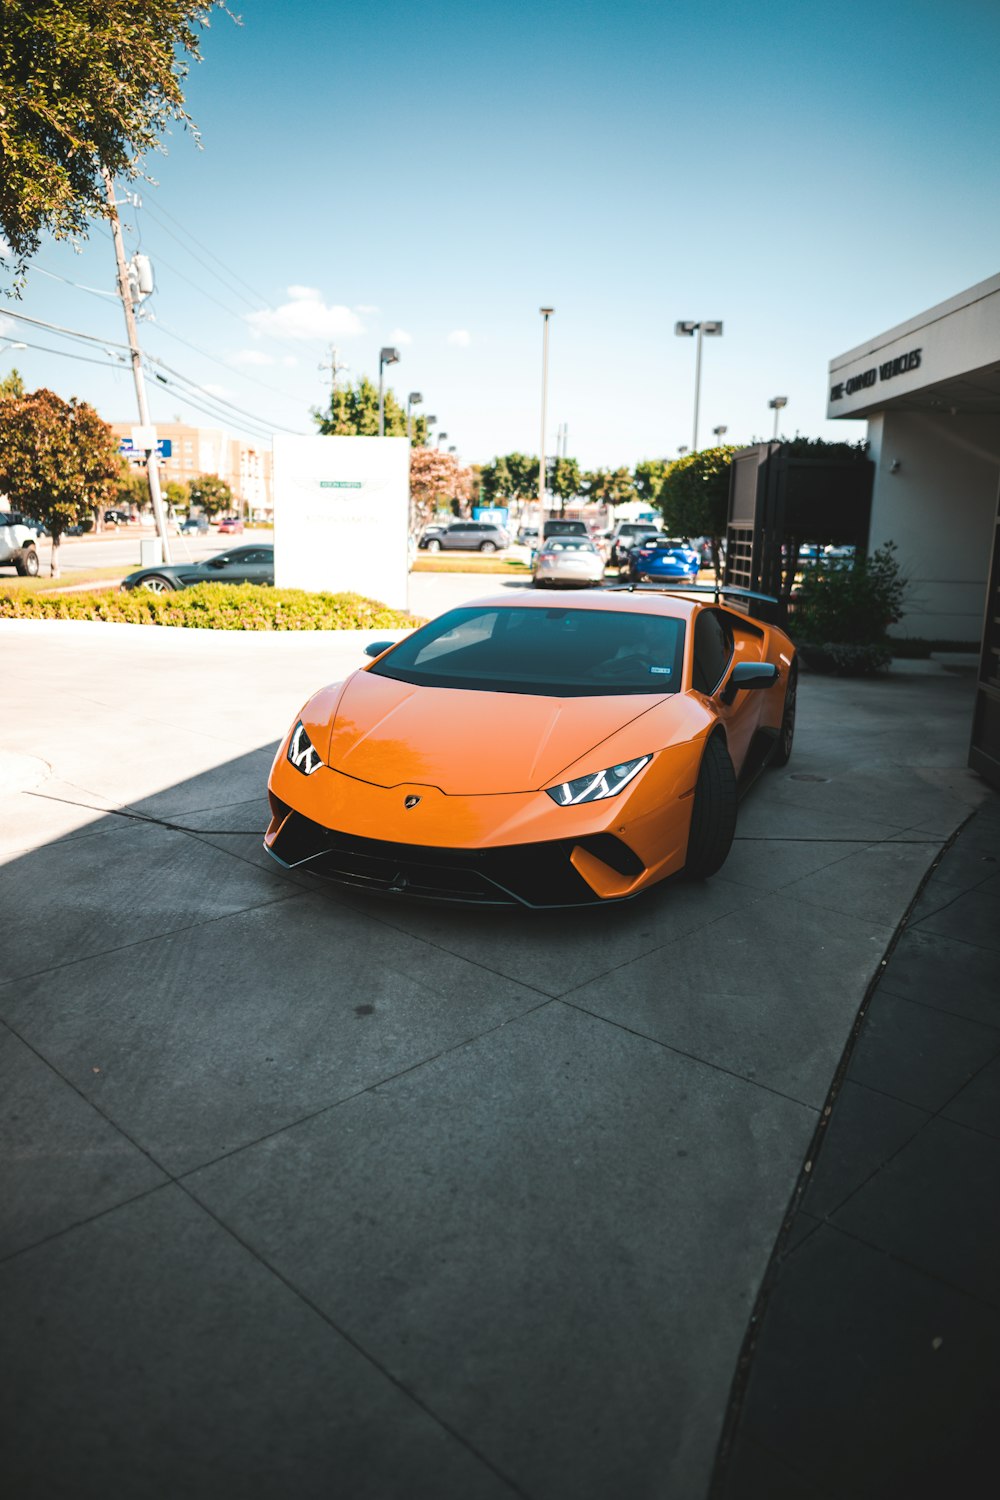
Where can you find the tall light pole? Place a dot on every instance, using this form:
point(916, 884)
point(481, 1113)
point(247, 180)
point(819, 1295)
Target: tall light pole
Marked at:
point(711, 328)
point(720, 432)
point(441, 438)
point(546, 313)
point(777, 403)
point(431, 422)
point(412, 400)
point(386, 356)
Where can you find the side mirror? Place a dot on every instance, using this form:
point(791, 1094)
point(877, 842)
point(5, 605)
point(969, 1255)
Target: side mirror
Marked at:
point(217, 562)
point(377, 647)
point(749, 674)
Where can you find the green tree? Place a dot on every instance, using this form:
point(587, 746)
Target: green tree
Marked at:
point(648, 476)
point(211, 493)
point(11, 385)
point(353, 412)
point(177, 494)
point(609, 486)
point(496, 482)
point(511, 480)
point(57, 461)
point(694, 496)
point(87, 88)
point(565, 481)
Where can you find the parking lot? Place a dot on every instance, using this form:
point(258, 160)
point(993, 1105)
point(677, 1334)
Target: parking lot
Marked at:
point(318, 1193)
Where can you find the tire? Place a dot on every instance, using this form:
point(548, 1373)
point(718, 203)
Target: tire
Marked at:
point(157, 584)
point(713, 817)
point(782, 752)
point(27, 564)
point(487, 546)
point(433, 545)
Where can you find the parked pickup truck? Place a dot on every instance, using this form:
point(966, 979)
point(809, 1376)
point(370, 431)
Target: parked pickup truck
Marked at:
point(17, 543)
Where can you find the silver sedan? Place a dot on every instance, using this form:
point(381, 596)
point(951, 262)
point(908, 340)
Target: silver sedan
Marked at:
point(568, 560)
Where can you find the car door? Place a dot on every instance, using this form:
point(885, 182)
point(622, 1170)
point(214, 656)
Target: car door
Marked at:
point(259, 565)
point(714, 650)
point(227, 567)
point(457, 537)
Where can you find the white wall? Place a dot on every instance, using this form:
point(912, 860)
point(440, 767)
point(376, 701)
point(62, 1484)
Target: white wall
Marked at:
point(939, 508)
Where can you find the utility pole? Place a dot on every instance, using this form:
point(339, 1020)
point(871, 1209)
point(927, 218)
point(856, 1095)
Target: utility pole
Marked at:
point(334, 369)
point(152, 461)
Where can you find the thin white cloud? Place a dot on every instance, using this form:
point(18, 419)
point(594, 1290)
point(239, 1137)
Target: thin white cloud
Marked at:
point(288, 360)
point(216, 390)
point(365, 310)
point(306, 317)
point(460, 337)
point(250, 357)
point(304, 294)
point(400, 336)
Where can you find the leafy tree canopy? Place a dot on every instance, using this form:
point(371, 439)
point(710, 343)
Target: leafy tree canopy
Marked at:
point(609, 486)
point(88, 86)
point(694, 495)
point(11, 385)
point(565, 480)
point(211, 493)
point(510, 480)
point(58, 460)
point(436, 479)
point(648, 476)
point(353, 412)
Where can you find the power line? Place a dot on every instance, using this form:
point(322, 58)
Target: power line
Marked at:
point(159, 327)
point(70, 333)
point(227, 270)
point(66, 282)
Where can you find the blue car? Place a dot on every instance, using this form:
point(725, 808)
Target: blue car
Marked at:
point(659, 560)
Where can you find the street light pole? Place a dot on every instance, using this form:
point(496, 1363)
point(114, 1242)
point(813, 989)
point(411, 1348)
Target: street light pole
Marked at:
point(777, 403)
point(386, 356)
point(546, 313)
point(412, 400)
point(719, 432)
point(711, 327)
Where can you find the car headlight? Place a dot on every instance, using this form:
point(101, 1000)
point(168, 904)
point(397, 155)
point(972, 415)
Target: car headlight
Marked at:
point(301, 753)
point(595, 788)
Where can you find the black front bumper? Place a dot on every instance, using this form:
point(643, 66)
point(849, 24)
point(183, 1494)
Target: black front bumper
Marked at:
point(537, 875)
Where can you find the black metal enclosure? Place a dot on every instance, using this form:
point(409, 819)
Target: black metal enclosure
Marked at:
point(780, 498)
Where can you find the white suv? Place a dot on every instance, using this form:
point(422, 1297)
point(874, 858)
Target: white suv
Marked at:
point(17, 543)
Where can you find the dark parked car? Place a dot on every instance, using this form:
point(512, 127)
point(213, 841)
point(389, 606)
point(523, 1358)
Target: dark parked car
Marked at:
point(238, 565)
point(117, 517)
point(469, 536)
point(193, 524)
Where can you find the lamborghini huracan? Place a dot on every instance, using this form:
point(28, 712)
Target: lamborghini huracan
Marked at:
point(521, 751)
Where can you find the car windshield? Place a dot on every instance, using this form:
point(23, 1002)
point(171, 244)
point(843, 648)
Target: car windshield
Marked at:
point(558, 653)
point(569, 544)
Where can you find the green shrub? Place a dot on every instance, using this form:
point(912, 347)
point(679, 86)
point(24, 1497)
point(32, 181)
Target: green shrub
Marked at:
point(841, 616)
point(212, 606)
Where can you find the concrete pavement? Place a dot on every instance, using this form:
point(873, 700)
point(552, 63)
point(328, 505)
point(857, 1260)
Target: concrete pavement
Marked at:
point(313, 1193)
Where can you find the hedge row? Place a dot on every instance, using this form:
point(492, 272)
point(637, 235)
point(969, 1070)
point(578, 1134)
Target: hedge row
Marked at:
point(211, 606)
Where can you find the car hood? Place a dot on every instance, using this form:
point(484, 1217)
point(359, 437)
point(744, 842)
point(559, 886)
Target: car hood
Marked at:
point(468, 743)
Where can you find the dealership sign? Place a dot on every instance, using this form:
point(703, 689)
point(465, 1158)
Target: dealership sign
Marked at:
point(885, 371)
point(341, 515)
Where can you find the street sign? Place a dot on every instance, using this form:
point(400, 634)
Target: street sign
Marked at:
point(131, 449)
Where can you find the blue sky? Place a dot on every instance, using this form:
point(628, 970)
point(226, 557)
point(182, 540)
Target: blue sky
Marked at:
point(429, 176)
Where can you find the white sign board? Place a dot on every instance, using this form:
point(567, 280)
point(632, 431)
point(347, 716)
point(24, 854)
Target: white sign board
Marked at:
point(341, 514)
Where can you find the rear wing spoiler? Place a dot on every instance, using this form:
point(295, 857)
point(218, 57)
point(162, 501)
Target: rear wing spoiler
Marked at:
point(721, 590)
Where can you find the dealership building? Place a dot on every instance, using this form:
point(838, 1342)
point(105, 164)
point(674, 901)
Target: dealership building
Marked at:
point(930, 391)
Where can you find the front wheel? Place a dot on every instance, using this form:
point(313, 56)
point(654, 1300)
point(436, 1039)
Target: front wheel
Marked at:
point(487, 546)
point(433, 546)
point(156, 584)
point(713, 817)
point(28, 565)
point(782, 752)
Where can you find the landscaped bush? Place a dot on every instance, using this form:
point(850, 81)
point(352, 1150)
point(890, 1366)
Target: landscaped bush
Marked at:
point(211, 606)
point(841, 616)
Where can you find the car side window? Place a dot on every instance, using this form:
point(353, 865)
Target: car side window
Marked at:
point(713, 649)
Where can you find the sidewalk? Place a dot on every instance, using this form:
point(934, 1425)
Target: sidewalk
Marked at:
point(873, 1366)
point(307, 1193)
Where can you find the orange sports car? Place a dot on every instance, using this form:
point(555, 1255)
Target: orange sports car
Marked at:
point(520, 751)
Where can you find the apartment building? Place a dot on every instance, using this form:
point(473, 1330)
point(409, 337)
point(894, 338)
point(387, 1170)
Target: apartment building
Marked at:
point(245, 467)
